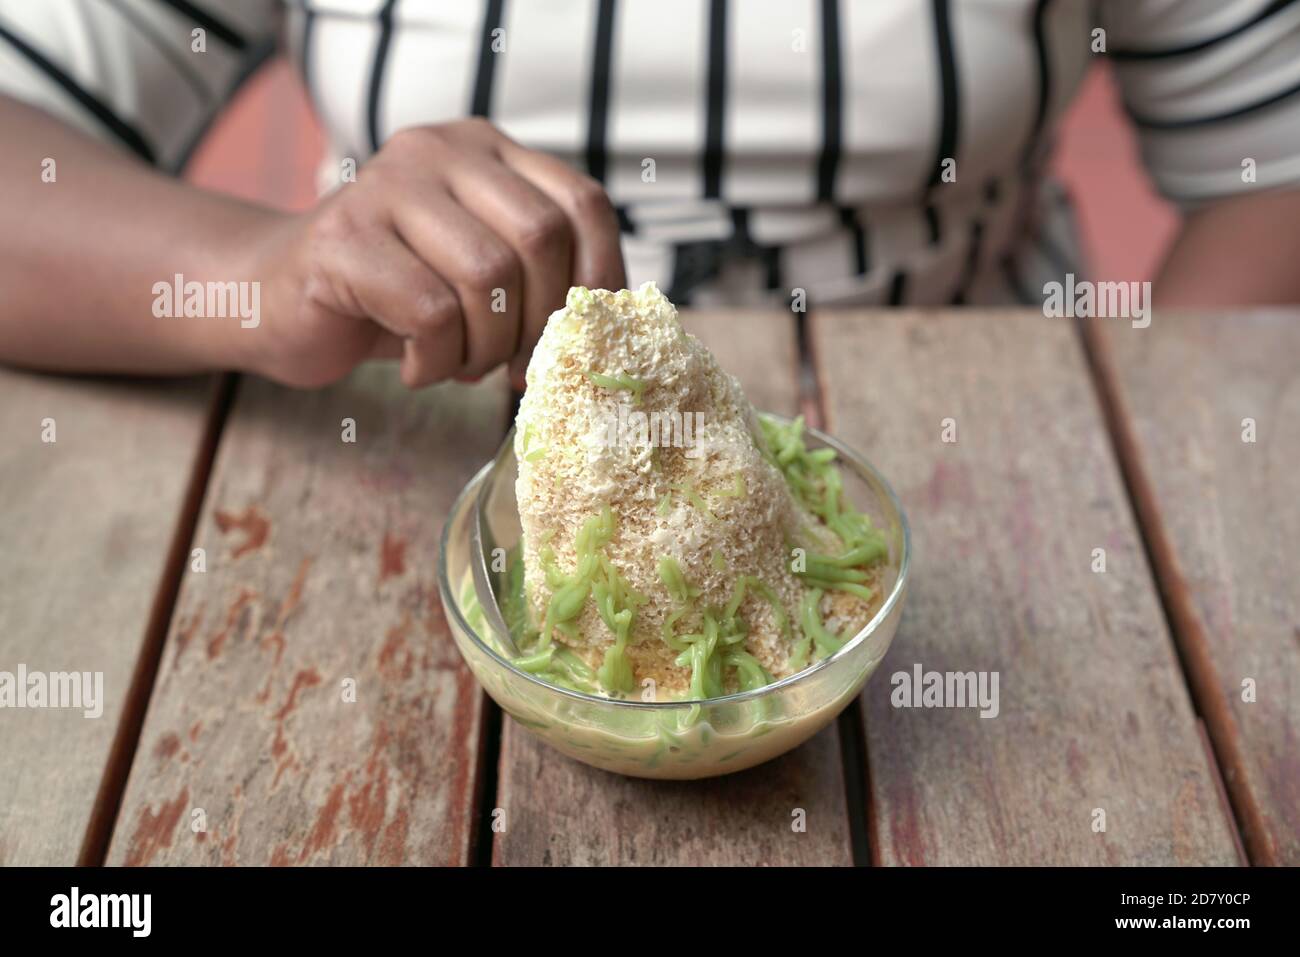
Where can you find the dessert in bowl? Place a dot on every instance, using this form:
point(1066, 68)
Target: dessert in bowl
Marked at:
point(692, 588)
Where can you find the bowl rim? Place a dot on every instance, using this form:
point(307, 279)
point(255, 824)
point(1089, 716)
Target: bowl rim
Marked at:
point(895, 596)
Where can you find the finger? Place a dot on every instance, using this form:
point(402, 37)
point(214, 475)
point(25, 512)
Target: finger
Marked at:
point(386, 346)
point(374, 276)
point(535, 227)
point(477, 263)
point(597, 254)
point(518, 370)
point(423, 360)
point(429, 360)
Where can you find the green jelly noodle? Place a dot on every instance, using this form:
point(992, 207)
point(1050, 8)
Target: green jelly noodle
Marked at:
point(715, 651)
point(623, 382)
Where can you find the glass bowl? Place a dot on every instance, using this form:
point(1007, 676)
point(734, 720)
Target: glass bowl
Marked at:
point(677, 739)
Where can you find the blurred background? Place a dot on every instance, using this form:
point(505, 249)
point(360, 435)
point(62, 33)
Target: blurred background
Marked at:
point(267, 145)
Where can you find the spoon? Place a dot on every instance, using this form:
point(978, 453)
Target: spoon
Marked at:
point(482, 543)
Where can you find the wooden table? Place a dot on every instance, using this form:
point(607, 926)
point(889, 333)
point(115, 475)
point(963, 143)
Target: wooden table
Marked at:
point(226, 737)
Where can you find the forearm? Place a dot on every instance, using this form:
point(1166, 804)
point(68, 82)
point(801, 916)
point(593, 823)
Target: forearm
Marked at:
point(1238, 252)
point(80, 256)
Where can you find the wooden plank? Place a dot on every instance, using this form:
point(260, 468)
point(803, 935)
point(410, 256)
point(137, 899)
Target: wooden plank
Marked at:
point(1221, 518)
point(321, 563)
point(86, 531)
point(593, 817)
point(1093, 714)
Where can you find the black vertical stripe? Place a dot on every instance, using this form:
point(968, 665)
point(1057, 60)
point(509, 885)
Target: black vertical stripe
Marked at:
point(687, 273)
point(308, 21)
point(1032, 152)
point(600, 80)
point(695, 263)
point(165, 49)
point(1011, 274)
point(717, 90)
point(377, 72)
point(1039, 28)
point(740, 228)
point(898, 288)
point(992, 194)
point(832, 101)
point(120, 128)
point(771, 260)
point(932, 224)
point(849, 218)
point(208, 21)
point(481, 105)
point(949, 106)
point(743, 241)
point(676, 291)
point(969, 271)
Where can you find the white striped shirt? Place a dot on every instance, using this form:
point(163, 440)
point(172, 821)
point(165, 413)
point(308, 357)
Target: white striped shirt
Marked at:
point(865, 151)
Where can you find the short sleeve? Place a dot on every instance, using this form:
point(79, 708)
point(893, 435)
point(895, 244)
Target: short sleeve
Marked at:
point(1213, 87)
point(148, 75)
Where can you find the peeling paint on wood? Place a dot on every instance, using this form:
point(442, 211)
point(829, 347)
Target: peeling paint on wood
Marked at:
point(287, 767)
point(1094, 712)
point(85, 529)
point(1224, 522)
point(251, 522)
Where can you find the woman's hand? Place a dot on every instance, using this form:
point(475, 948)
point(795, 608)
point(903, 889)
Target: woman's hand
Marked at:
point(449, 252)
